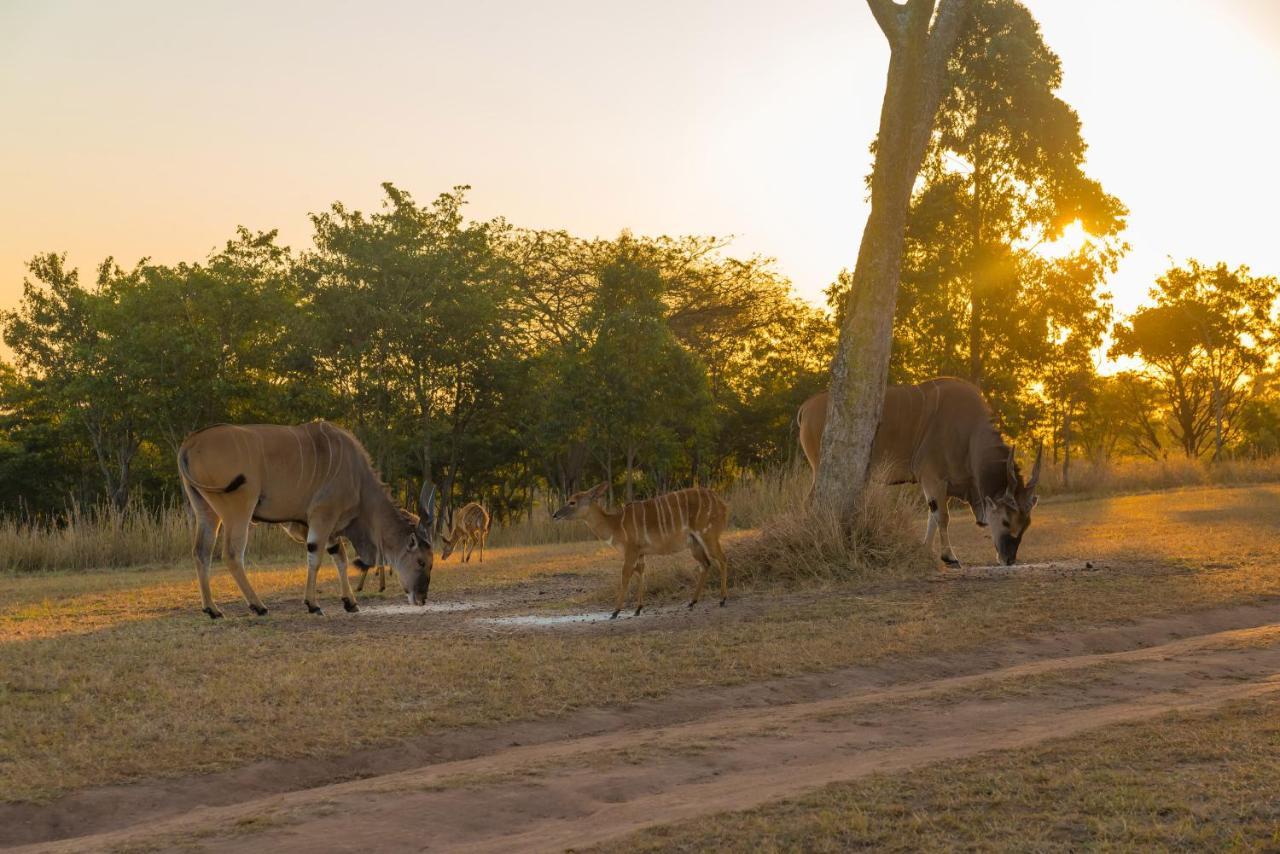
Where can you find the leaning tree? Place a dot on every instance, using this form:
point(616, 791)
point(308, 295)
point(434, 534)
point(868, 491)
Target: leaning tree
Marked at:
point(920, 43)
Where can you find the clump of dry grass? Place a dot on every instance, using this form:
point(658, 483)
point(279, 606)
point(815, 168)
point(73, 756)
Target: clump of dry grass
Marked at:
point(105, 536)
point(799, 544)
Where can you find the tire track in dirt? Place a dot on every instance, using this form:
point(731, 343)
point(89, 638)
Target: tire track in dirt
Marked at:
point(586, 790)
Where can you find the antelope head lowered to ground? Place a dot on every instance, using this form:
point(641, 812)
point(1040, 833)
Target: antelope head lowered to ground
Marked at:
point(690, 518)
point(1008, 513)
point(469, 528)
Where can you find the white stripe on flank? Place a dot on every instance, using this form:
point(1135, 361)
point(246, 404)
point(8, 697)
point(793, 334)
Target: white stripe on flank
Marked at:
point(328, 446)
point(312, 462)
point(294, 432)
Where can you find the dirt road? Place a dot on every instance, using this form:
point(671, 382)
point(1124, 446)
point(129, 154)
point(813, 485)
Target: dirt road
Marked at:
point(596, 776)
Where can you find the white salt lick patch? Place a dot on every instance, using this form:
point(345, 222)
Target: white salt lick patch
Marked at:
point(533, 620)
point(406, 608)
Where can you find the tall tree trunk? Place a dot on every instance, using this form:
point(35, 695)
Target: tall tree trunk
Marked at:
point(608, 471)
point(631, 458)
point(1066, 449)
point(917, 67)
point(975, 337)
point(1217, 418)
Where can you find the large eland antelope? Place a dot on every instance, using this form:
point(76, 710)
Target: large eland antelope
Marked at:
point(689, 518)
point(314, 475)
point(470, 527)
point(939, 434)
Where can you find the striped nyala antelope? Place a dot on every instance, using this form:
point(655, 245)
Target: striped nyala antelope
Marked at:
point(469, 528)
point(316, 476)
point(690, 518)
point(939, 434)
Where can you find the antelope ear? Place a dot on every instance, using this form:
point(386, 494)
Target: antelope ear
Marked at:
point(988, 504)
point(598, 491)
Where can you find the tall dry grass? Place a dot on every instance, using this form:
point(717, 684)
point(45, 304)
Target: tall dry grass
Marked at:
point(1114, 477)
point(541, 530)
point(792, 542)
point(103, 537)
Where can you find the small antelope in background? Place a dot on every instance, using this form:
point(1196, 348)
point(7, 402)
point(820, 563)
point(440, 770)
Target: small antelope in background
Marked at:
point(690, 518)
point(470, 528)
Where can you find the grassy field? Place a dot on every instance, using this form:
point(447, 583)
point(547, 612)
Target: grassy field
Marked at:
point(1185, 782)
point(110, 676)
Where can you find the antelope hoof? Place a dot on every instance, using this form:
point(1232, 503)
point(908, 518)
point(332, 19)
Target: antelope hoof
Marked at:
point(260, 610)
point(694, 602)
point(314, 609)
point(951, 562)
point(350, 606)
point(614, 615)
point(214, 613)
point(638, 609)
point(723, 601)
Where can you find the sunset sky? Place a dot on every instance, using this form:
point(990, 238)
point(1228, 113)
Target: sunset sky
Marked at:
point(154, 128)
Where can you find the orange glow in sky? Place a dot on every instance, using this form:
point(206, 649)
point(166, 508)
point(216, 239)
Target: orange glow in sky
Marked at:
point(142, 128)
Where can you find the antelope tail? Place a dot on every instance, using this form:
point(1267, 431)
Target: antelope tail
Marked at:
point(236, 482)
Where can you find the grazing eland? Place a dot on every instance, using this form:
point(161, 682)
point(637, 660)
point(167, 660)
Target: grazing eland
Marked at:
point(939, 434)
point(314, 475)
point(470, 526)
point(689, 518)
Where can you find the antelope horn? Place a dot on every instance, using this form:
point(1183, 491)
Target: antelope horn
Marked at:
point(426, 510)
point(1035, 470)
point(1011, 472)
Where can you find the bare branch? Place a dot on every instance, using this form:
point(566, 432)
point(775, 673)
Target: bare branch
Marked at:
point(941, 40)
point(891, 17)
